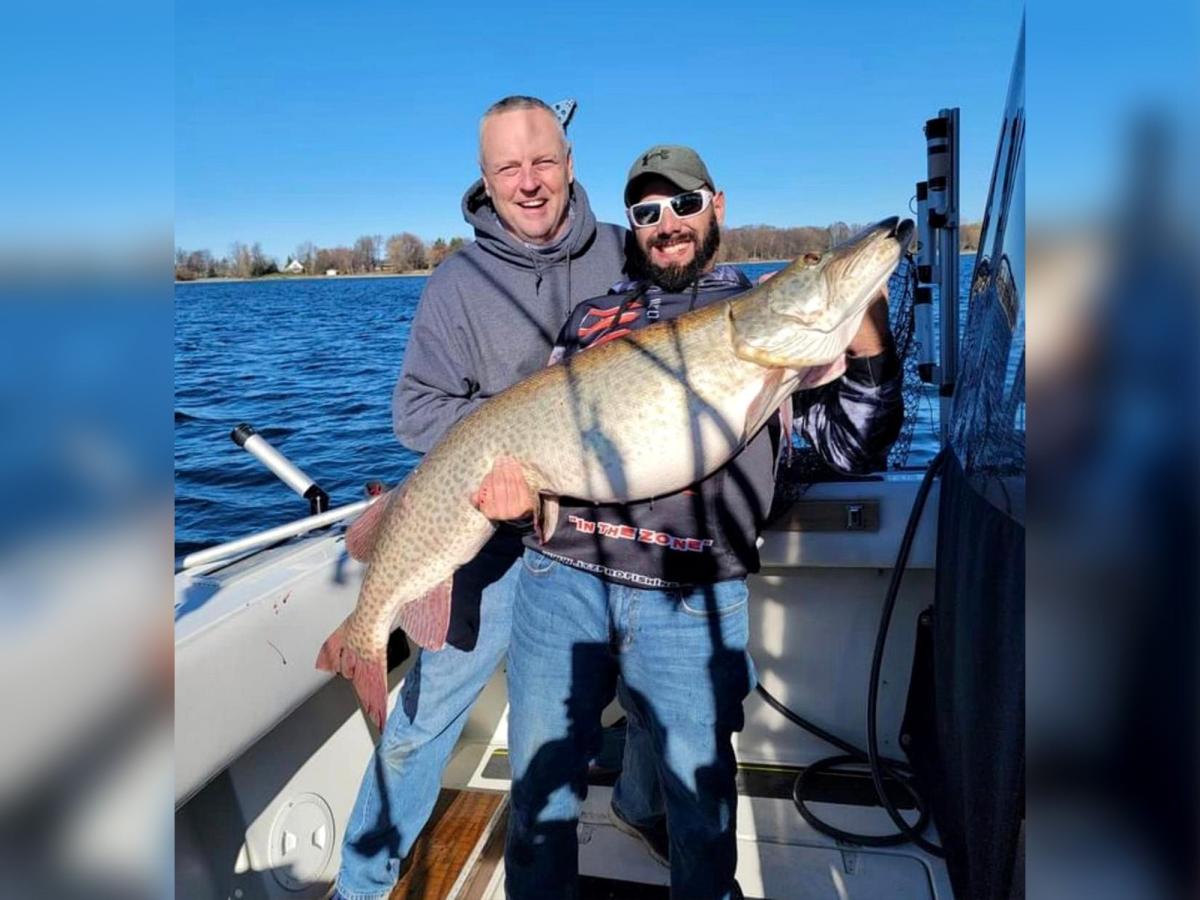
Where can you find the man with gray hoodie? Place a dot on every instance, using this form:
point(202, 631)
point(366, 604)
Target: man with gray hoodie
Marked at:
point(488, 317)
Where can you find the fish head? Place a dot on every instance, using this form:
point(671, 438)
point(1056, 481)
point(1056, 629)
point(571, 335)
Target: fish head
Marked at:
point(808, 313)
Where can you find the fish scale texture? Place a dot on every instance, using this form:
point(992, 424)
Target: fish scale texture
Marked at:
point(639, 417)
point(581, 430)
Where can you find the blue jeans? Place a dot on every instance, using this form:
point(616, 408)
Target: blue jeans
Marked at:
point(404, 776)
point(682, 656)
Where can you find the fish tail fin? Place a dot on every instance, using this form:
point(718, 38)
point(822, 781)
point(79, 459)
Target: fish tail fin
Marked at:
point(368, 675)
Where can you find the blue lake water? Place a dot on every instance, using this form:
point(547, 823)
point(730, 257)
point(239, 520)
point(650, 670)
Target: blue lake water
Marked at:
point(311, 364)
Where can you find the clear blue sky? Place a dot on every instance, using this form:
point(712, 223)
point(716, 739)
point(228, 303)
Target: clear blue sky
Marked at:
point(86, 155)
point(322, 122)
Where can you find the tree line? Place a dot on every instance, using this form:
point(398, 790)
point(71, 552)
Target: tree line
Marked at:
point(405, 252)
point(763, 242)
point(758, 242)
point(400, 253)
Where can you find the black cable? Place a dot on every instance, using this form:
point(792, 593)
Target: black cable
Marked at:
point(880, 767)
point(910, 531)
point(895, 769)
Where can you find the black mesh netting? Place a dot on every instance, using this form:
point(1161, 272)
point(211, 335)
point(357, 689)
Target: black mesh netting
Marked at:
point(920, 408)
point(987, 426)
point(901, 291)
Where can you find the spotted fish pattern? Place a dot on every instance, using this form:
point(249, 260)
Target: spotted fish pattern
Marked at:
point(701, 385)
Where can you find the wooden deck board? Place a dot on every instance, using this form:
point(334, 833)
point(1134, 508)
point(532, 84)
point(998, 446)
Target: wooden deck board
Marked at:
point(445, 847)
point(492, 856)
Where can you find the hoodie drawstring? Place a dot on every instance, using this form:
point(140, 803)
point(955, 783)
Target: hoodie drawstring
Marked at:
point(537, 273)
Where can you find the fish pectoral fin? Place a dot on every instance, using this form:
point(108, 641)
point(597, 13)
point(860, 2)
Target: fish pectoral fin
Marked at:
point(818, 376)
point(762, 405)
point(545, 517)
point(426, 620)
point(787, 422)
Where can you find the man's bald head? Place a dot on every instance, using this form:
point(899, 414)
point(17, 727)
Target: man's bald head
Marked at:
point(520, 102)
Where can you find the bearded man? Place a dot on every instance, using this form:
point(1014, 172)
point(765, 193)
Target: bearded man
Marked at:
point(655, 592)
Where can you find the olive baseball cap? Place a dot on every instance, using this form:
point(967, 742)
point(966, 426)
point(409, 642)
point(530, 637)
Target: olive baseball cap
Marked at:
point(682, 166)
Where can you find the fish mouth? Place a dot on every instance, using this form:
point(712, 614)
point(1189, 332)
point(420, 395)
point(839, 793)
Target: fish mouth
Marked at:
point(891, 228)
point(900, 229)
point(876, 247)
point(856, 270)
point(809, 308)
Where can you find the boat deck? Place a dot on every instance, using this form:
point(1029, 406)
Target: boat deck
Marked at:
point(460, 851)
point(288, 756)
point(460, 855)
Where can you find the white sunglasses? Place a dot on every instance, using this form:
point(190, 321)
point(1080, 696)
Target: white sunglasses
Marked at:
point(685, 205)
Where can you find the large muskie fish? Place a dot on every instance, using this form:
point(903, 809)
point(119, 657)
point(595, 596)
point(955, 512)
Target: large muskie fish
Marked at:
point(639, 417)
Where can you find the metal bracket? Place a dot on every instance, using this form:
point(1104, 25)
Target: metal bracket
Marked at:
point(830, 515)
point(849, 861)
point(565, 109)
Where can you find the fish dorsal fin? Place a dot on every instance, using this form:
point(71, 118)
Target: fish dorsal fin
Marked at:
point(364, 531)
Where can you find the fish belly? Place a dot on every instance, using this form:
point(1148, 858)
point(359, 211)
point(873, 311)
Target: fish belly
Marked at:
point(651, 429)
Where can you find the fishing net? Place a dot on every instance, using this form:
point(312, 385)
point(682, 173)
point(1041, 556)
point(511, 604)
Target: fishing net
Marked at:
point(918, 405)
point(917, 441)
point(987, 423)
point(987, 426)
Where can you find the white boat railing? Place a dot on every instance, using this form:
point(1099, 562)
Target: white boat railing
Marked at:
point(273, 535)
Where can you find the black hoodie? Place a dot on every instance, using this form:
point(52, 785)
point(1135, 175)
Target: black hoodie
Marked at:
point(709, 532)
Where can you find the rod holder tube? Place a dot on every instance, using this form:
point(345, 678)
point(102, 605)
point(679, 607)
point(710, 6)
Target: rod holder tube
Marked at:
point(926, 349)
point(938, 160)
point(948, 255)
point(283, 468)
point(927, 272)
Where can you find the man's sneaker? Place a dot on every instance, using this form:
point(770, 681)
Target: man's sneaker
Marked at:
point(654, 839)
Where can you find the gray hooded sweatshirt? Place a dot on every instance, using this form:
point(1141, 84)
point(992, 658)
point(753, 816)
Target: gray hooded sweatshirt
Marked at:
point(489, 314)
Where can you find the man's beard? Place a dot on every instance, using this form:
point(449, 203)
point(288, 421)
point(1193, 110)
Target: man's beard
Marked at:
point(674, 279)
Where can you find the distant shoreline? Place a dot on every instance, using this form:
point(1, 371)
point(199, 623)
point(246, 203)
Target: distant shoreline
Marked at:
point(422, 273)
point(221, 279)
